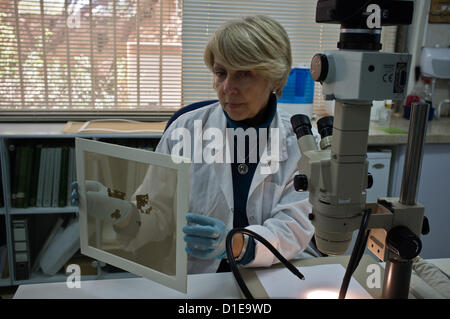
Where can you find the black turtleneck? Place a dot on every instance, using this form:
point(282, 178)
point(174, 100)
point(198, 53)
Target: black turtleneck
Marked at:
point(241, 183)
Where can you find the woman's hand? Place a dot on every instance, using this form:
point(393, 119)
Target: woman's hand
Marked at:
point(91, 186)
point(205, 236)
point(74, 196)
point(100, 205)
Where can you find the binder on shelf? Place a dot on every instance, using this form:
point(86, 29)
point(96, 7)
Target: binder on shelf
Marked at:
point(71, 174)
point(56, 177)
point(62, 192)
point(23, 182)
point(41, 180)
point(15, 157)
point(28, 174)
point(49, 178)
point(21, 249)
point(34, 178)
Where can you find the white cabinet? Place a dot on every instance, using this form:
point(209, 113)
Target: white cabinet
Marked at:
point(379, 166)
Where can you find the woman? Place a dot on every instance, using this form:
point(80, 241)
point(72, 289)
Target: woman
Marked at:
point(251, 60)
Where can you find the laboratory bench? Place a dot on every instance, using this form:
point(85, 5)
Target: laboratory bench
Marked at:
point(393, 133)
point(224, 285)
point(396, 131)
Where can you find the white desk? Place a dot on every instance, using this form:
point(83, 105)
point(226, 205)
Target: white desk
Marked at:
point(203, 286)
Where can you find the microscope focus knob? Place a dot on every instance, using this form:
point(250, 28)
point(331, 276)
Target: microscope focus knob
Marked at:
point(403, 242)
point(319, 67)
point(300, 183)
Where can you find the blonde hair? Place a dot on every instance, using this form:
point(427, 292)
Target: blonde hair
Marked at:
point(256, 43)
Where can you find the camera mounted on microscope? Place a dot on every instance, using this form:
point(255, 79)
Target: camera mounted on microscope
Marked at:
point(352, 72)
point(353, 17)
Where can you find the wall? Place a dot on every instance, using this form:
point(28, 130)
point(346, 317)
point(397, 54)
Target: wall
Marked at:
point(421, 33)
point(439, 34)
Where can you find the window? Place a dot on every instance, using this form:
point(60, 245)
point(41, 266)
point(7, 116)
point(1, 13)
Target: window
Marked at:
point(103, 57)
point(90, 55)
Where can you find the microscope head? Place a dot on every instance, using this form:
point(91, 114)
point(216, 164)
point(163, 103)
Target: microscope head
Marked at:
point(351, 73)
point(353, 16)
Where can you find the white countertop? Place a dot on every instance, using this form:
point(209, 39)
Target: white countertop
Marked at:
point(438, 131)
point(31, 128)
point(202, 286)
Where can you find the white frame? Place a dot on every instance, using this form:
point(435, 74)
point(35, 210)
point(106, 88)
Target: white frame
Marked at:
point(177, 282)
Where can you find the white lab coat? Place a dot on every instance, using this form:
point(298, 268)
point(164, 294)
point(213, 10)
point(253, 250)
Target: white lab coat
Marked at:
point(274, 209)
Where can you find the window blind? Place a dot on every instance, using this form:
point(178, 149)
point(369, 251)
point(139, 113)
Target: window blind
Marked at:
point(90, 54)
point(202, 17)
point(131, 55)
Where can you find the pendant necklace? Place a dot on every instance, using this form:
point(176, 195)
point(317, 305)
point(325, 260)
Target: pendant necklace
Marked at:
point(243, 167)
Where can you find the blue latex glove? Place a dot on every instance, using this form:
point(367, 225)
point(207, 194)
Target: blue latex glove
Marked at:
point(205, 236)
point(91, 186)
point(74, 196)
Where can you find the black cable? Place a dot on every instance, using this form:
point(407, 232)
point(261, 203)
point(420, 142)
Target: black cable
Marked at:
point(357, 253)
point(355, 257)
point(233, 264)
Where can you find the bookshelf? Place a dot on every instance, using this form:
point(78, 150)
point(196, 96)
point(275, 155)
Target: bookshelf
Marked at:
point(25, 197)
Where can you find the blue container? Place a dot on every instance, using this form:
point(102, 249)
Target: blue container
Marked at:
point(299, 87)
point(407, 113)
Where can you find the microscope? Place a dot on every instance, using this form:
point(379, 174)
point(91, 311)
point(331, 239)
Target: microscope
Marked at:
point(336, 175)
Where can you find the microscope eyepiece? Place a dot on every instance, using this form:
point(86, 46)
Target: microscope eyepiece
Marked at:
point(301, 125)
point(325, 126)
